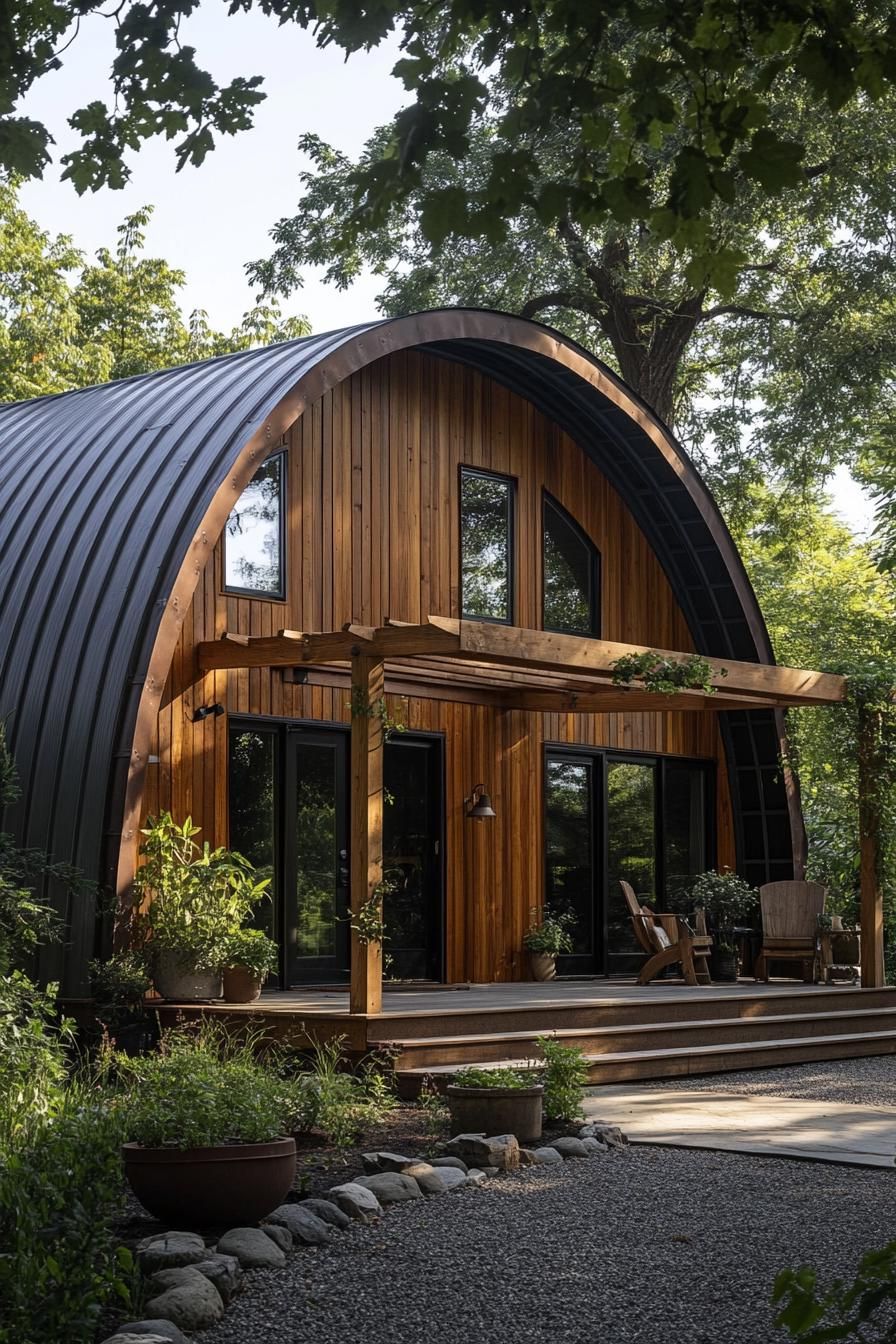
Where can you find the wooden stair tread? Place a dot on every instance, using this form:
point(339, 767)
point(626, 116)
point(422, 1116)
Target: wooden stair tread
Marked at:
point(673, 1052)
point(441, 1042)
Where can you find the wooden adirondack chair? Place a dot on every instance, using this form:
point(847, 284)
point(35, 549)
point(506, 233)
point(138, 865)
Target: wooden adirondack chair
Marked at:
point(667, 940)
point(790, 913)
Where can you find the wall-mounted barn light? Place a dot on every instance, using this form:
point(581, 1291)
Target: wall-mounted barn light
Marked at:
point(480, 808)
point(207, 712)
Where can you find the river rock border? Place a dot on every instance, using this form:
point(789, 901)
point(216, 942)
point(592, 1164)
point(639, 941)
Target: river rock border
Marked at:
point(188, 1284)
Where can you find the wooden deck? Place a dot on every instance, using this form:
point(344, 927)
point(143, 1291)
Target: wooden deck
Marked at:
point(626, 1031)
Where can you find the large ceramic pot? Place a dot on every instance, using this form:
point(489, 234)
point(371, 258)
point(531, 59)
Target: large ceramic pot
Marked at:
point(234, 1183)
point(177, 980)
point(544, 965)
point(497, 1110)
point(241, 985)
point(723, 967)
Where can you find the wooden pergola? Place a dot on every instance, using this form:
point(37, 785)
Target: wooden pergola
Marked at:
point(522, 669)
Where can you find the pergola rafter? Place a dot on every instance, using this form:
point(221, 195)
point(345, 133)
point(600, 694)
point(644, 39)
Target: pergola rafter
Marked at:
point(535, 670)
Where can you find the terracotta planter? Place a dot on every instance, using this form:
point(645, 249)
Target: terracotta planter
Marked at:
point(234, 1183)
point(241, 985)
point(544, 965)
point(497, 1110)
point(177, 980)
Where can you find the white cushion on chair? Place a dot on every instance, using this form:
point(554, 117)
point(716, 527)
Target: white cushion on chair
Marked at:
point(661, 937)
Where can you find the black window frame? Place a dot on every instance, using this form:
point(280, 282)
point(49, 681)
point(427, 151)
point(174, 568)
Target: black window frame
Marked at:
point(264, 595)
point(511, 483)
point(548, 501)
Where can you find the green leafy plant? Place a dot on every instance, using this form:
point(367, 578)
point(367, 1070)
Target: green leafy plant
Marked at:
point(861, 1310)
point(338, 1101)
point(824, 922)
point(565, 1075)
point(436, 1114)
point(503, 1077)
point(205, 1086)
point(120, 981)
point(250, 949)
point(551, 936)
point(726, 898)
point(196, 897)
point(663, 675)
point(362, 706)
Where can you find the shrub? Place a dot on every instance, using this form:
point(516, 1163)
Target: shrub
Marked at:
point(250, 949)
point(725, 897)
point(340, 1103)
point(550, 936)
point(862, 1310)
point(565, 1075)
point(203, 1087)
point(505, 1077)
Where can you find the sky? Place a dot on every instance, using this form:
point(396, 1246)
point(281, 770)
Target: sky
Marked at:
point(209, 221)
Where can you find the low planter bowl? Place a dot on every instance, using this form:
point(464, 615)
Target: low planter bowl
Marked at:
point(234, 1183)
point(180, 982)
point(497, 1110)
point(241, 985)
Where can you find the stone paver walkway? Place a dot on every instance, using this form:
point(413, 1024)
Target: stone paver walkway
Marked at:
point(823, 1131)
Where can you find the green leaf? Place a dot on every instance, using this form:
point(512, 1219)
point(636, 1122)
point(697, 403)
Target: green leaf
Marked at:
point(773, 162)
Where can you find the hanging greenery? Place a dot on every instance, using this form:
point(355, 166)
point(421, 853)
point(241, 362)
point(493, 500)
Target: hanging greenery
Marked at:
point(663, 675)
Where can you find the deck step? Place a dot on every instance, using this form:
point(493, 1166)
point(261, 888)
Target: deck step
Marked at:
point(640, 1038)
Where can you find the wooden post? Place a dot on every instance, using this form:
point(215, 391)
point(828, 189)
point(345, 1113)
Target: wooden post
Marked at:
point(871, 906)
point(366, 813)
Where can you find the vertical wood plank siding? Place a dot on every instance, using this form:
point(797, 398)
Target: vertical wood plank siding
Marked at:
point(373, 531)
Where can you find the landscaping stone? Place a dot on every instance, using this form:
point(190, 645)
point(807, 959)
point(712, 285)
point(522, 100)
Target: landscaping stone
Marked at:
point(225, 1272)
point(303, 1224)
point(191, 1301)
point(500, 1150)
point(475, 1177)
point(121, 1338)
point(611, 1135)
point(450, 1162)
point(357, 1201)
point(391, 1187)
point(160, 1328)
point(547, 1157)
point(429, 1179)
point(170, 1250)
point(252, 1247)
point(280, 1236)
point(489, 1171)
point(327, 1211)
point(527, 1157)
point(570, 1147)
point(451, 1177)
point(594, 1146)
point(375, 1163)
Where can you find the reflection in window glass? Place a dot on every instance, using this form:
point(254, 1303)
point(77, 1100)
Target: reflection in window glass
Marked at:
point(253, 537)
point(486, 542)
point(684, 831)
point(570, 877)
point(570, 575)
point(631, 854)
point(317, 859)
point(251, 791)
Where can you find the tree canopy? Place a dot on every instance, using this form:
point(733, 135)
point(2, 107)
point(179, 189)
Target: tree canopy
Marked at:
point(66, 322)
point(705, 81)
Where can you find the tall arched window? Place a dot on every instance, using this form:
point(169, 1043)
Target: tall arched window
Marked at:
point(571, 575)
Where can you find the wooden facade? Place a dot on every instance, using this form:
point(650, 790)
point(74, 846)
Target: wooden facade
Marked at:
point(373, 533)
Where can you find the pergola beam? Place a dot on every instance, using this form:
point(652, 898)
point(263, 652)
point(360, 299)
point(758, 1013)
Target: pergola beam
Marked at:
point(528, 651)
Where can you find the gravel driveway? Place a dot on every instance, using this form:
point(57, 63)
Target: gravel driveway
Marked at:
point(646, 1245)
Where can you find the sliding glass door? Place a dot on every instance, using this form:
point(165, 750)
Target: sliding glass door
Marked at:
point(612, 817)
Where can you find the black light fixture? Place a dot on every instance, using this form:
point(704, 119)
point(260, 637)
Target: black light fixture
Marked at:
point(480, 808)
point(207, 712)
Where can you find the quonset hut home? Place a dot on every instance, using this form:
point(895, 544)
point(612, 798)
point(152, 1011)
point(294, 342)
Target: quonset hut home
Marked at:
point(461, 509)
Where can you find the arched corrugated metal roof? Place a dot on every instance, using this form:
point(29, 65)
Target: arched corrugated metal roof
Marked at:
point(112, 496)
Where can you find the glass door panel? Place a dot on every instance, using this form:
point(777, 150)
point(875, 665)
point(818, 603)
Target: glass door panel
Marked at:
point(631, 855)
point(317, 857)
point(685, 848)
point(412, 865)
point(253, 828)
point(570, 875)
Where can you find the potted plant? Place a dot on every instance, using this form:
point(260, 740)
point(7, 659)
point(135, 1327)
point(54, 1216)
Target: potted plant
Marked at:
point(193, 899)
point(727, 900)
point(247, 959)
point(545, 942)
point(496, 1101)
point(207, 1123)
point(118, 986)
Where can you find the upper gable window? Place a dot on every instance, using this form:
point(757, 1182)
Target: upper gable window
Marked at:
point(254, 550)
point(571, 575)
point(486, 545)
